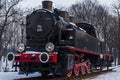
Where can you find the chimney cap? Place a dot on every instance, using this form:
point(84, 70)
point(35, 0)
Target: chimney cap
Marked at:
point(47, 4)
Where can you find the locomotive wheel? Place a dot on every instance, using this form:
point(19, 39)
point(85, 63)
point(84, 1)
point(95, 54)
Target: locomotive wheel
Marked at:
point(108, 65)
point(88, 67)
point(76, 70)
point(101, 67)
point(66, 66)
point(69, 73)
point(82, 70)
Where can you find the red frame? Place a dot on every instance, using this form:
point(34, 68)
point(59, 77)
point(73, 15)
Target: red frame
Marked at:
point(84, 51)
point(54, 57)
point(106, 56)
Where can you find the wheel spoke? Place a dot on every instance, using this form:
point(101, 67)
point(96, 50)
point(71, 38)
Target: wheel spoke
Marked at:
point(69, 73)
point(83, 70)
point(88, 67)
point(76, 70)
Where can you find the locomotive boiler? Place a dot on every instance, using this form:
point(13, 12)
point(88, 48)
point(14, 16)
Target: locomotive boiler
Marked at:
point(57, 45)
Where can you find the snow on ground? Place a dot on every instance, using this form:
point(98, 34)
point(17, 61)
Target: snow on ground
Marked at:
point(6, 65)
point(114, 75)
point(11, 75)
point(15, 75)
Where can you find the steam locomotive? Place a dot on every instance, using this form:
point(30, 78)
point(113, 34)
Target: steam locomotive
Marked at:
point(55, 44)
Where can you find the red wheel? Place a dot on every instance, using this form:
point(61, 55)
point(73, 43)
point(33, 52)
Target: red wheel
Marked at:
point(88, 67)
point(83, 70)
point(76, 70)
point(69, 73)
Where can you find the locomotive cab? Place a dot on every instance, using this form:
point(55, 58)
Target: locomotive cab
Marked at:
point(88, 28)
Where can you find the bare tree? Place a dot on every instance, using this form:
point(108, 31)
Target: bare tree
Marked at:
point(116, 7)
point(91, 12)
point(7, 10)
point(94, 13)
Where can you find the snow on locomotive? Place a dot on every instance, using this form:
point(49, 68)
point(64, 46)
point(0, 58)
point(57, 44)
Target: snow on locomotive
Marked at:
point(56, 45)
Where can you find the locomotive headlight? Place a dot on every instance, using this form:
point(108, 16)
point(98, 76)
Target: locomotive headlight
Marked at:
point(21, 47)
point(49, 47)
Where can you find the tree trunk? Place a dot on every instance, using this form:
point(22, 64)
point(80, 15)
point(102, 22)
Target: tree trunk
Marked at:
point(119, 42)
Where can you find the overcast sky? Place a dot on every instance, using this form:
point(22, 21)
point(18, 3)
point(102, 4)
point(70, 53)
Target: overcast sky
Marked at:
point(66, 3)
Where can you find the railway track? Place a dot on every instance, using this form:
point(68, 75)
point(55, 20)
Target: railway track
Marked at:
point(80, 77)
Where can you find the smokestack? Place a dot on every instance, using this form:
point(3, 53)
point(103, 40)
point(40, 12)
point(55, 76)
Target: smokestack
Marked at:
point(65, 15)
point(47, 5)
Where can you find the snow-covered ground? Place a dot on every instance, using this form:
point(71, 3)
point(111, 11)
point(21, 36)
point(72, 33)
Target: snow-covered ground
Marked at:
point(11, 75)
point(114, 75)
point(6, 65)
point(15, 75)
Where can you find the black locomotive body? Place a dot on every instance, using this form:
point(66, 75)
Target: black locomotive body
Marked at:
point(55, 45)
point(44, 26)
